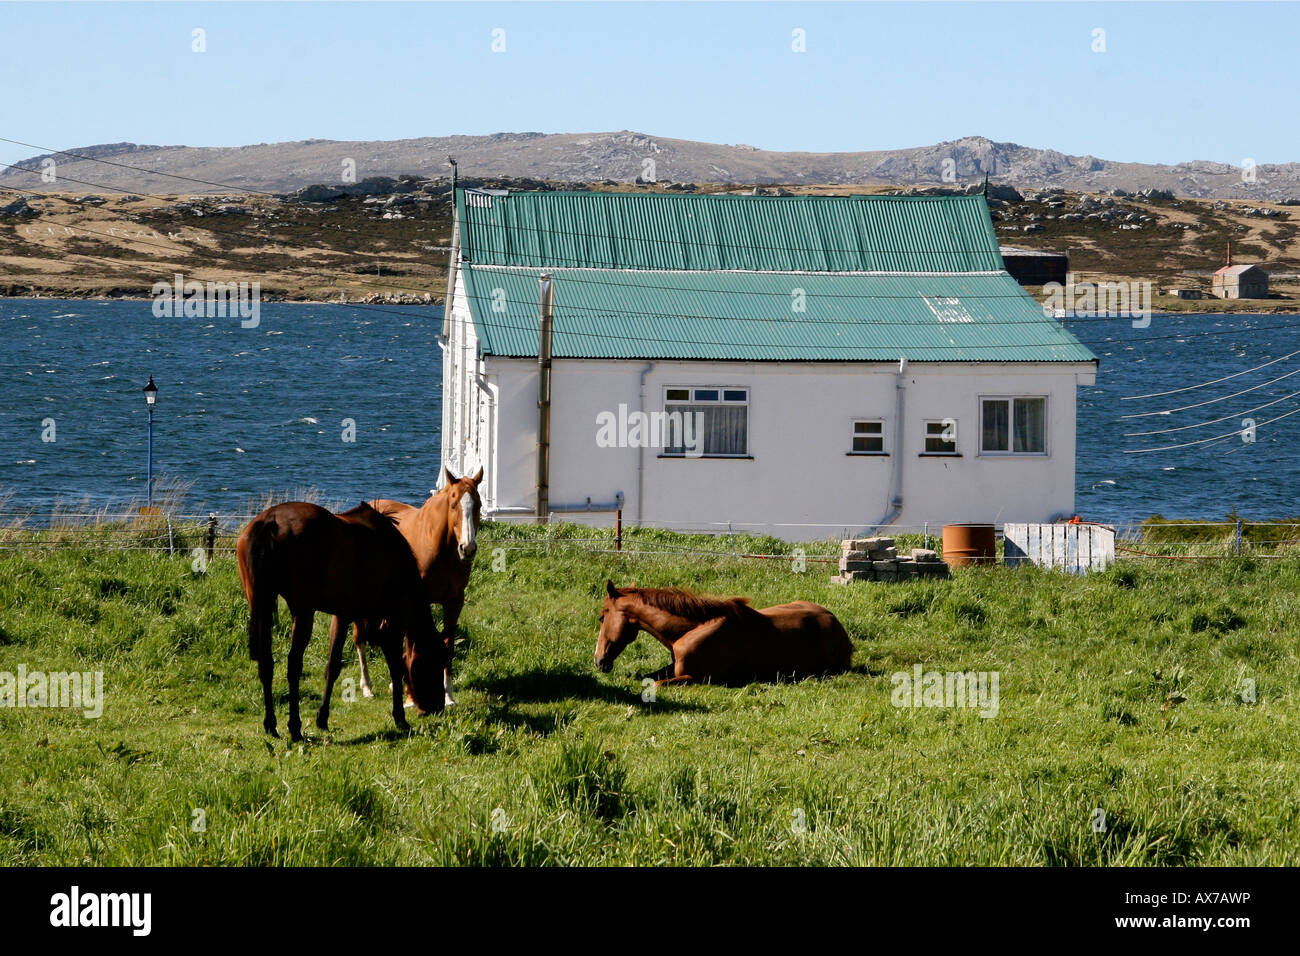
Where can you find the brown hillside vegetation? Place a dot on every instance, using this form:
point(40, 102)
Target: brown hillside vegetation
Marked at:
point(394, 245)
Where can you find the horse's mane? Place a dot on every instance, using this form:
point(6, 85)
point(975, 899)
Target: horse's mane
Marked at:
point(368, 514)
point(687, 604)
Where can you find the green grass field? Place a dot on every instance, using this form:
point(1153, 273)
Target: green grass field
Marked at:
point(1119, 692)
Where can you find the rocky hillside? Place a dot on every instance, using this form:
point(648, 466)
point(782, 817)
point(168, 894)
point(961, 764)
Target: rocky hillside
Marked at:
point(387, 239)
point(624, 156)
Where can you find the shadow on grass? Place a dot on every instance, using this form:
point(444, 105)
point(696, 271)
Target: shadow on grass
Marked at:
point(866, 670)
point(390, 736)
point(551, 685)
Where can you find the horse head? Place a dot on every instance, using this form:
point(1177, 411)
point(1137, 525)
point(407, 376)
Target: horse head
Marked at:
point(464, 511)
point(618, 627)
point(425, 658)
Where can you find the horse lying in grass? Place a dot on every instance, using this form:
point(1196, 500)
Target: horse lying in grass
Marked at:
point(355, 565)
point(723, 641)
point(443, 536)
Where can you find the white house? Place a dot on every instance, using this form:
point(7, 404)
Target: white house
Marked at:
point(796, 366)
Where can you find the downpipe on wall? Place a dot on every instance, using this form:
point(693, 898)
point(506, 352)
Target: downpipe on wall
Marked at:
point(640, 451)
point(896, 481)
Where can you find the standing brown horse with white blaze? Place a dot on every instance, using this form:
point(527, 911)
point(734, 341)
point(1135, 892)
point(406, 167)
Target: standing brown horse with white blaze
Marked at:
point(723, 641)
point(443, 535)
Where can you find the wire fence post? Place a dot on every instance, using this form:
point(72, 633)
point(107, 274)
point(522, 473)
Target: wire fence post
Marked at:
point(549, 516)
point(925, 540)
point(731, 535)
point(618, 529)
point(212, 533)
point(171, 538)
point(1239, 536)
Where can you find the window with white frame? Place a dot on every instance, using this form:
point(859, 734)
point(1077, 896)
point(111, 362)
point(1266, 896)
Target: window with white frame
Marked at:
point(941, 436)
point(709, 421)
point(868, 437)
point(1013, 425)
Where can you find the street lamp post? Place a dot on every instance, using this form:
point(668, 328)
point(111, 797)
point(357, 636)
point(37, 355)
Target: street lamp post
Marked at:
point(150, 397)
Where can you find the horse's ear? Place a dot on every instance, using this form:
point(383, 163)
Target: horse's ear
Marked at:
point(478, 476)
point(448, 477)
point(610, 589)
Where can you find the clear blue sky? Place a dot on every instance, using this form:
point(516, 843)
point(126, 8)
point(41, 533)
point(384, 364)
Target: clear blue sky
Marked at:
point(1178, 81)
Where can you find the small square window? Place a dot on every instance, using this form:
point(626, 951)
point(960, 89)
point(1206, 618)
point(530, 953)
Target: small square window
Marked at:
point(679, 394)
point(941, 437)
point(869, 437)
point(706, 394)
point(735, 395)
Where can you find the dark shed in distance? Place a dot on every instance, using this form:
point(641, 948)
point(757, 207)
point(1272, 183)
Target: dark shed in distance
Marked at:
point(1035, 266)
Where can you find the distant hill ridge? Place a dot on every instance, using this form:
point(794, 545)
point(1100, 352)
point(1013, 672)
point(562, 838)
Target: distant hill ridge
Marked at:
point(625, 155)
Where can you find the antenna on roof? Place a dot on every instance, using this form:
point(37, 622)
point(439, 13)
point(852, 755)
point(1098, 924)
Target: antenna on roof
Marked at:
point(454, 170)
point(986, 185)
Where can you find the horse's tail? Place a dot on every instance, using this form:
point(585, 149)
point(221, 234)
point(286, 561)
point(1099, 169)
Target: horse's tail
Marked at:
point(255, 573)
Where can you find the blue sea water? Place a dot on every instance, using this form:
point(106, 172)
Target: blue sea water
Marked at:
point(242, 412)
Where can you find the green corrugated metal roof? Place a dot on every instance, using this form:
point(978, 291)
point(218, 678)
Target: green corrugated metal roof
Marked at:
point(664, 231)
point(749, 316)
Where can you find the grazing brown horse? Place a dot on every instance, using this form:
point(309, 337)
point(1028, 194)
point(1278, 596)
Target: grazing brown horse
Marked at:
point(723, 641)
point(443, 536)
point(354, 565)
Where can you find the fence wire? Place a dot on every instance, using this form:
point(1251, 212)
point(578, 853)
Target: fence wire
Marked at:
point(216, 534)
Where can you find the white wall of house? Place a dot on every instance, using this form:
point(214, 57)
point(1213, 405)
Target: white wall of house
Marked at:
point(799, 480)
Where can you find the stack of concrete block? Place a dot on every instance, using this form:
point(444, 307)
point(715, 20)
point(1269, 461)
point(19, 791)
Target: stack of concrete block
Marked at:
point(877, 559)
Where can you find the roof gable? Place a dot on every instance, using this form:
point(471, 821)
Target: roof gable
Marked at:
point(759, 234)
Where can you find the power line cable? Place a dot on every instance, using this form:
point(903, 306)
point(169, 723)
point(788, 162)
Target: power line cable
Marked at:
point(1216, 381)
point(515, 227)
point(1211, 401)
point(1216, 438)
point(1215, 421)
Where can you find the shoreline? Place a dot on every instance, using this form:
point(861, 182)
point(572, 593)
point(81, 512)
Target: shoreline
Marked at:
point(437, 303)
point(265, 300)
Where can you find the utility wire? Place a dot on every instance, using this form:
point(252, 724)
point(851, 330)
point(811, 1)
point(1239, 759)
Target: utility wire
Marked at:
point(514, 227)
point(1211, 401)
point(1216, 381)
point(186, 251)
point(85, 182)
point(1215, 421)
point(358, 280)
point(532, 328)
point(567, 279)
point(139, 169)
point(1216, 438)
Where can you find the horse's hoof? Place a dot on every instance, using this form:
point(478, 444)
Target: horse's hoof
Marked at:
point(366, 691)
point(448, 701)
point(323, 722)
point(408, 704)
point(270, 729)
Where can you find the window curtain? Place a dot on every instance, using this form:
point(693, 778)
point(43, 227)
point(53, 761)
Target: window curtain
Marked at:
point(1031, 425)
point(725, 428)
point(995, 426)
